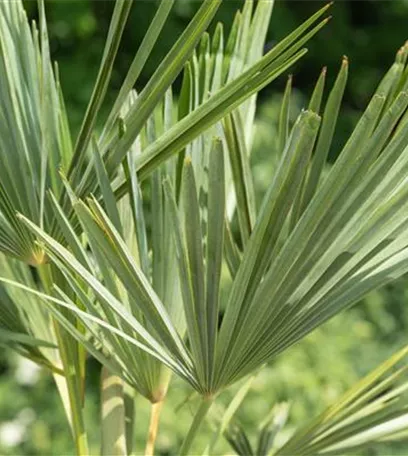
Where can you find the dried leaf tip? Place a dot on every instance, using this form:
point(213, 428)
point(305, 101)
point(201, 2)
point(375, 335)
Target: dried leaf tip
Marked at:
point(187, 161)
point(38, 257)
point(402, 54)
point(345, 60)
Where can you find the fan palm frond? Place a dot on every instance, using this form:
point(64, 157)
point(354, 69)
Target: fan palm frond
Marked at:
point(373, 411)
point(34, 136)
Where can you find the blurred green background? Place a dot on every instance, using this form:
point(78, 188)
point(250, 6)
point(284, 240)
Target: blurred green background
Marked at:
point(316, 371)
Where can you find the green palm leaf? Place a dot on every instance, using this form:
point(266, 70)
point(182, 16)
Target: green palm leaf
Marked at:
point(206, 114)
point(34, 137)
point(373, 411)
point(24, 325)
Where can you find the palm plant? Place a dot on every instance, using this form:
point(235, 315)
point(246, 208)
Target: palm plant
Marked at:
point(145, 299)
